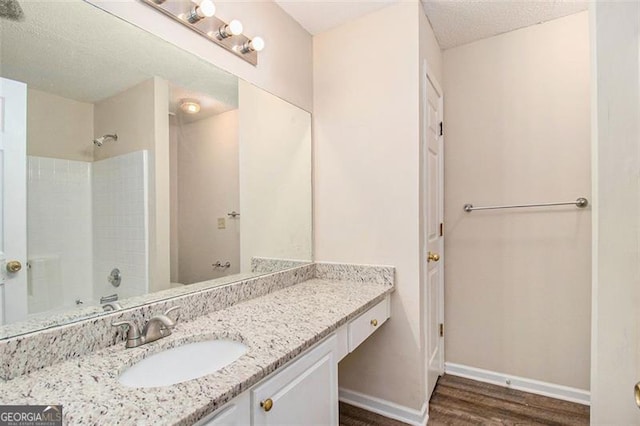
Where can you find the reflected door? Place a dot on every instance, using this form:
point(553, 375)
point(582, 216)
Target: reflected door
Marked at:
point(434, 238)
point(13, 201)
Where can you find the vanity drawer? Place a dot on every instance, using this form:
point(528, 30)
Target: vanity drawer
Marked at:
point(363, 326)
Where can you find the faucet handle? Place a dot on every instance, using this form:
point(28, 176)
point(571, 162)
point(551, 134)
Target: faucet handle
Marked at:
point(133, 334)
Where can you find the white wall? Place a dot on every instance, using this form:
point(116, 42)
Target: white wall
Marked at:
point(616, 253)
point(58, 127)
point(120, 224)
point(208, 189)
point(59, 233)
point(516, 130)
point(275, 177)
point(366, 181)
point(284, 66)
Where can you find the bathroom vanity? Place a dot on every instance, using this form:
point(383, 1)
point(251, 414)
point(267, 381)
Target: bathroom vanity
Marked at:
point(306, 390)
point(295, 333)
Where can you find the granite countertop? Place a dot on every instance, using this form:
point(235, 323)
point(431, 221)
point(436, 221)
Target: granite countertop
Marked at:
point(276, 328)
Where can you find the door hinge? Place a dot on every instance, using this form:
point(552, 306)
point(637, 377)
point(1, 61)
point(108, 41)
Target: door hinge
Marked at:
point(441, 129)
point(441, 330)
point(441, 229)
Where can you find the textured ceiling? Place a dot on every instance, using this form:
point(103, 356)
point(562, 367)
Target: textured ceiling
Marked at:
point(317, 16)
point(75, 50)
point(456, 22)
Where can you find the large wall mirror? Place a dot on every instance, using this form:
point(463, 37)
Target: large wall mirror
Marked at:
point(149, 171)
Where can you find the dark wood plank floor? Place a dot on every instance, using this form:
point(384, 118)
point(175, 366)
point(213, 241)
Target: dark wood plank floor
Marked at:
point(354, 416)
point(458, 401)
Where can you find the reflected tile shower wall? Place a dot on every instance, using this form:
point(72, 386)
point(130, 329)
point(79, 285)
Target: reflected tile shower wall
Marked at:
point(59, 233)
point(120, 224)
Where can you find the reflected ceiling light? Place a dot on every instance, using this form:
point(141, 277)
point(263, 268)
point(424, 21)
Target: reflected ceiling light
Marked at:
point(190, 106)
point(203, 9)
point(233, 28)
point(256, 44)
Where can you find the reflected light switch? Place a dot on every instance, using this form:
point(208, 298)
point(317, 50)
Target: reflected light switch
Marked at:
point(222, 223)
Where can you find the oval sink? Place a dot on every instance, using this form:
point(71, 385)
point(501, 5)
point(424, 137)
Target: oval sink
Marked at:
point(183, 363)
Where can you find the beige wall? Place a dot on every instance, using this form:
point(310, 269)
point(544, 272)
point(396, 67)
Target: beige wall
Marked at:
point(208, 178)
point(173, 198)
point(517, 283)
point(139, 116)
point(616, 265)
point(130, 114)
point(284, 66)
point(58, 127)
point(275, 177)
point(366, 177)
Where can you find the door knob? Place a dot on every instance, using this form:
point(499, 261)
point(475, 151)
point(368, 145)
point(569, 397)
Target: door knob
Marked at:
point(433, 257)
point(636, 392)
point(14, 266)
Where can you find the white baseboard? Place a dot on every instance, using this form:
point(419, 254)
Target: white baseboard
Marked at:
point(385, 408)
point(520, 383)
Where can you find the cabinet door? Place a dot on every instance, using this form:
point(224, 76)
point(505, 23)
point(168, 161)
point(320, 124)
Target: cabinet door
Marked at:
point(304, 393)
point(235, 413)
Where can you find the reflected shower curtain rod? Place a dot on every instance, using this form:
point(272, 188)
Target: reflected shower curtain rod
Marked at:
point(580, 203)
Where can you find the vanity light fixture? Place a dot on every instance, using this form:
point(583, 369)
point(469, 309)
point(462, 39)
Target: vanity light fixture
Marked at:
point(190, 106)
point(231, 29)
point(204, 9)
point(256, 44)
point(198, 16)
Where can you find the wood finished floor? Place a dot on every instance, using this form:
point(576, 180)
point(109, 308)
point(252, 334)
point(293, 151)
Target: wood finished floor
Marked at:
point(458, 401)
point(354, 416)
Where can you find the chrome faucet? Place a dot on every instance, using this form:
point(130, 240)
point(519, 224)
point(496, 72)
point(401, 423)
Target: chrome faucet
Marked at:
point(157, 327)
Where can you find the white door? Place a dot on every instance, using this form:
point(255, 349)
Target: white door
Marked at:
point(13, 201)
point(434, 238)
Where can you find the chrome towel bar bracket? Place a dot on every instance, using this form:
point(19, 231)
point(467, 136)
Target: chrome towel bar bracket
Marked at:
point(580, 203)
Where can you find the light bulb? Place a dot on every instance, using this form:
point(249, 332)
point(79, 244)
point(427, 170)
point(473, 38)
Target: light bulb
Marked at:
point(190, 106)
point(204, 9)
point(257, 44)
point(254, 45)
point(235, 27)
point(229, 30)
point(207, 8)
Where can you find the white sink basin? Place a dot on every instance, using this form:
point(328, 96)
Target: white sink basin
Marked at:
point(186, 362)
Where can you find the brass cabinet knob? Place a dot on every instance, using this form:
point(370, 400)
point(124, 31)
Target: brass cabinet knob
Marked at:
point(374, 322)
point(433, 257)
point(14, 266)
point(267, 404)
point(636, 392)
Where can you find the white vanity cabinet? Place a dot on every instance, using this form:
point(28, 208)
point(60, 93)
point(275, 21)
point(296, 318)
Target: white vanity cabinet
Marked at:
point(236, 412)
point(305, 392)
